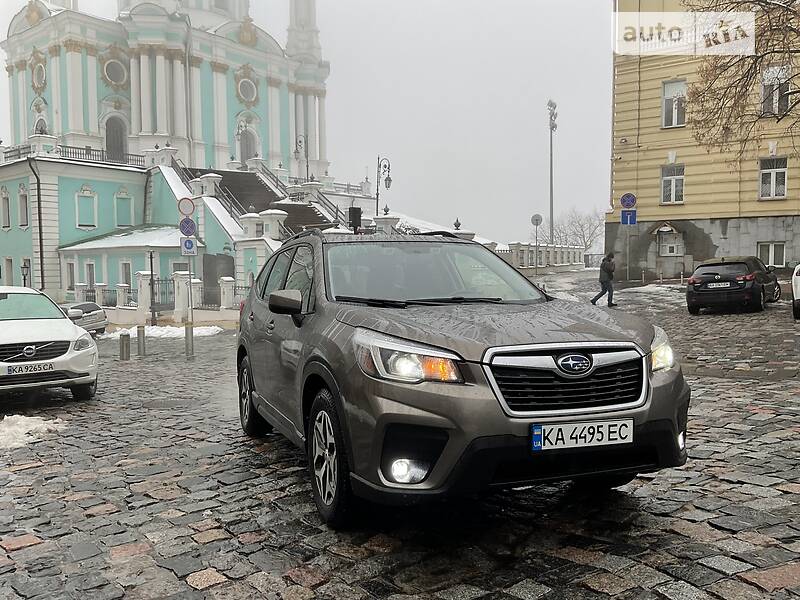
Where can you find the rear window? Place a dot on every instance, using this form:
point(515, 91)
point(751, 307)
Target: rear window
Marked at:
point(722, 269)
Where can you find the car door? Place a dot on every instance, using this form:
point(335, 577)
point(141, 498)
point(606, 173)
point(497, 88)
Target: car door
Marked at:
point(767, 280)
point(289, 330)
point(263, 352)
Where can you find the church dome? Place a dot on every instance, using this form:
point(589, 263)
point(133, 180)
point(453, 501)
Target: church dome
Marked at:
point(204, 14)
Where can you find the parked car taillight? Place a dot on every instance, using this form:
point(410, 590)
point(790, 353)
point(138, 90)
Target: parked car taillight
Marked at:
point(750, 277)
point(694, 281)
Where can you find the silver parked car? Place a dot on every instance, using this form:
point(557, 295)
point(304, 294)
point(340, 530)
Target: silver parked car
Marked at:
point(94, 319)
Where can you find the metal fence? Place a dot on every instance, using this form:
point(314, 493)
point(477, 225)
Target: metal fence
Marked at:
point(90, 295)
point(210, 298)
point(108, 298)
point(133, 297)
point(163, 295)
point(99, 155)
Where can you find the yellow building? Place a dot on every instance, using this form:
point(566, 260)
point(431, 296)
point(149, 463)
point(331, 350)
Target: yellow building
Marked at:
point(692, 203)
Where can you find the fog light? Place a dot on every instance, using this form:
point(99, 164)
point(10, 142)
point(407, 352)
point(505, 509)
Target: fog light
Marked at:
point(405, 470)
point(682, 440)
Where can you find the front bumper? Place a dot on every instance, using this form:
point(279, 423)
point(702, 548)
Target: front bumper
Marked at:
point(71, 369)
point(486, 448)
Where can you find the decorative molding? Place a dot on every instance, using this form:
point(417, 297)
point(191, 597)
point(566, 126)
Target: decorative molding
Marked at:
point(21, 65)
point(245, 73)
point(90, 49)
point(196, 61)
point(248, 34)
point(54, 50)
point(274, 81)
point(10, 70)
point(33, 14)
point(219, 67)
point(73, 45)
point(176, 54)
point(38, 60)
point(118, 54)
point(86, 190)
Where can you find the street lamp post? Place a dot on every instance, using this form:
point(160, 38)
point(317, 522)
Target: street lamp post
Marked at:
point(551, 108)
point(300, 144)
point(25, 269)
point(384, 171)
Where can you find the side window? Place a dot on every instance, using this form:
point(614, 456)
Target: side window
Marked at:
point(301, 275)
point(277, 275)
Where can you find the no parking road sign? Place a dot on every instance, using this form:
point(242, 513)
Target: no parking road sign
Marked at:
point(188, 247)
point(188, 227)
point(628, 201)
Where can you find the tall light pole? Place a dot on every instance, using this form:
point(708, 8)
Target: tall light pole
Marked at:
point(384, 171)
point(551, 108)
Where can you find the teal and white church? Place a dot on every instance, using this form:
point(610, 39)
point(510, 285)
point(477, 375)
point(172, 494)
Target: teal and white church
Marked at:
point(114, 121)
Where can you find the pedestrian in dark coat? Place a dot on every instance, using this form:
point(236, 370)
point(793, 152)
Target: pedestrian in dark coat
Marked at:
point(606, 280)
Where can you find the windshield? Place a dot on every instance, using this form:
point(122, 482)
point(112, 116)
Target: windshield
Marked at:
point(433, 271)
point(16, 307)
point(722, 269)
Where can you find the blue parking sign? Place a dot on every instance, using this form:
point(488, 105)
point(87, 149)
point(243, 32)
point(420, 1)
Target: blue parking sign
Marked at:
point(628, 217)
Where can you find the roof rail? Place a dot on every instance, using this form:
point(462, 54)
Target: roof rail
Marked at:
point(447, 234)
point(306, 233)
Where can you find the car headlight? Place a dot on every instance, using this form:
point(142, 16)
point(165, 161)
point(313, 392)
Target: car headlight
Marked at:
point(661, 352)
point(391, 358)
point(83, 343)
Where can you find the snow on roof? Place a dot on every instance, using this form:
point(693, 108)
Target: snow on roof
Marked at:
point(159, 236)
point(425, 226)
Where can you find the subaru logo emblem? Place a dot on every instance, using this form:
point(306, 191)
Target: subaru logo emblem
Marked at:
point(574, 364)
point(29, 351)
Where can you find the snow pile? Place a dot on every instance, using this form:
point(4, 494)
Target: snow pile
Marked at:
point(163, 332)
point(17, 431)
point(660, 293)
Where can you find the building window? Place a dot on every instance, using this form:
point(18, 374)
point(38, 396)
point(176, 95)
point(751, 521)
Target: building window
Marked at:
point(180, 267)
point(115, 72)
point(90, 276)
point(674, 104)
point(5, 211)
point(86, 210)
point(672, 178)
point(670, 242)
point(259, 230)
point(71, 276)
point(772, 253)
point(124, 211)
point(23, 208)
point(773, 178)
point(125, 273)
point(248, 145)
point(522, 258)
point(41, 127)
point(8, 271)
point(116, 139)
point(248, 90)
point(775, 91)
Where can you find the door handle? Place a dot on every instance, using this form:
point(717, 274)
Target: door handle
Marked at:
point(270, 327)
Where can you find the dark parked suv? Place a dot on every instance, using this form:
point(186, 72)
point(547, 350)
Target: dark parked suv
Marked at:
point(738, 281)
point(415, 367)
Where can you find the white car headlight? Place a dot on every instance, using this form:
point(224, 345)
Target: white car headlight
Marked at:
point(391, 358)
point(83, 343)
point(661, 352)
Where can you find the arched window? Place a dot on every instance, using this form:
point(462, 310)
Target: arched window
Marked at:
point(249, 145)
point(116, 139)
point(41, 127)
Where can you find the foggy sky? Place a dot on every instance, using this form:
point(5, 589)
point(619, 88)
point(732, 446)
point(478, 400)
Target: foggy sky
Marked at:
point(454, 92)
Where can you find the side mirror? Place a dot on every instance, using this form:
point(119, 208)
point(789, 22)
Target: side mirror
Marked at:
point(74, 314)
point(771, 269)
point(286, 302)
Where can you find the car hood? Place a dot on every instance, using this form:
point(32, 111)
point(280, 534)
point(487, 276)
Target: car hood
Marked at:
point(38, 330)
point(470, 329)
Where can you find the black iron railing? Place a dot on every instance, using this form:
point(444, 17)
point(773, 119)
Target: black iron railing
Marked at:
point(163, 294)
point(98, 155)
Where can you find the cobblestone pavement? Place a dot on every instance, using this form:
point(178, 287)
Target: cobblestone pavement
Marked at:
point(152, 491)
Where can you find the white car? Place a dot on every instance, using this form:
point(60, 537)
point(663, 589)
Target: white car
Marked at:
point(796, 293)
point(40, 347)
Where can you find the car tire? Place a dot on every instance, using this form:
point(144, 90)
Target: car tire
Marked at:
point(760, 304)
point(100, 331)
point(694, 310)
point(776, 297)
point(327, 462)
point(796, 310)
point(601, 483)
point(253, 424)
point(85, 392)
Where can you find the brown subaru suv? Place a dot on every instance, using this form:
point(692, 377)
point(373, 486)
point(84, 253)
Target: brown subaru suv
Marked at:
point(414, 367)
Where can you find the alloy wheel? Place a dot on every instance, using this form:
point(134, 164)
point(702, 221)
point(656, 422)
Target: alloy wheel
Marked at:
point(244, 394)
point(326, 460)
point(778, 293)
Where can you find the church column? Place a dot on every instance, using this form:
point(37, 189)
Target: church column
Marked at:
point(223, 149)
point(54, 73)
point(22, 91)
point(274, 107)
point(311, 126)
point(197, 110)
point(162, 121)
point(93, 126)
point(136, 94)
point(323, 132)
point(13, 120)
point(147, 91)
point(292, 126)
point(179, 93)
point(75, 85)
point(300, 124)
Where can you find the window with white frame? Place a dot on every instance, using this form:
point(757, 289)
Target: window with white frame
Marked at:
point(180, 267)
point(123, 206)
point(775, 91)
point(125, 272)
point(70, 276)
point(86, 209)
point(5, 211)
point(90, 275)
point(670, 242)
point(772, 253)
point(773, 178)
point(8, 271)
point(672, 179)
point(24, 219)
point(674, 104)
point(521, 257)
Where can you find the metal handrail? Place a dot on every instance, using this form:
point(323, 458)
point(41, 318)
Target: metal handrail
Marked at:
point(100, 155)
point(17, 152)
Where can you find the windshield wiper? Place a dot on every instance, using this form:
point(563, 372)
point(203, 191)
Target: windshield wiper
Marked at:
point(379, 302)
point(456, 300)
